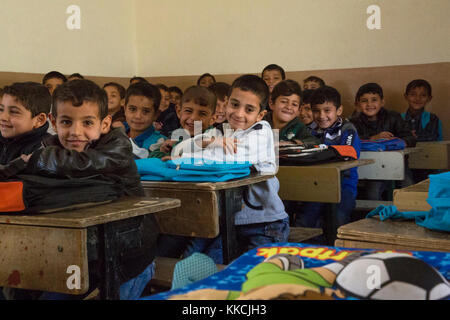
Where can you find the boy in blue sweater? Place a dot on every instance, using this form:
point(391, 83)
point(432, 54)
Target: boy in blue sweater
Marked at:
point(332, 130)
point(141, 105)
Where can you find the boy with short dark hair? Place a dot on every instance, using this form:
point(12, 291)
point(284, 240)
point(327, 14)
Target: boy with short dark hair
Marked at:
point(221, 90)
point(75, 76)
point(305, 113)
point(375, 122)
point(332, 130)
point(196, 115)
point(136, 79)
point(23, 123)
point(284, 103)
point(205, 80)
point(312, 83)
point(247, 137)
point(272, 74)
point(425, 126)
point(85, 145)
point(116, 100)
point(52, 80)
point(166, 120)
point(175, 96)
point(141, 106)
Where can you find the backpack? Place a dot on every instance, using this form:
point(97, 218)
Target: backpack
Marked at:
point(299, 156)
point(31, 194)
point(383, 144)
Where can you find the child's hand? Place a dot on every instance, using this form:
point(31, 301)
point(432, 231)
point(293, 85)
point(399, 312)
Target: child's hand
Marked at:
point(286, 143)
point(167, 146)
point(166, 158)
point(26, 157)
point(382, 135)
point(229, 145)
point(158, 126)
point(414, 133)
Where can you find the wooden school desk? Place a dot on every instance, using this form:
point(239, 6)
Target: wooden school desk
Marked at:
point(42, 252)
point(413, 198)
point(207, 208)
point(372, 233)
point(388, 165)
point(433, 155)
point(316, 183)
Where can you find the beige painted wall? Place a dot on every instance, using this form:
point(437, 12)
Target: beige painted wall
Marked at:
point(35, 38)
point(242, 36)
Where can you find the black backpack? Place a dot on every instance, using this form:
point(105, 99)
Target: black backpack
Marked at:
point(31, 194)
point(300, 156)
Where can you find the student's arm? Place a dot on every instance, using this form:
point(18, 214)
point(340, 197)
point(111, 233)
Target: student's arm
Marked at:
point(305, 137)
point(109, 156)
point(350, 137)
point(13, 168)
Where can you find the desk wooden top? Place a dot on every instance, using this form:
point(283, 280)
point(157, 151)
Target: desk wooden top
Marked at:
point(413, 198)
point(320, 182)
point(395, 232)
point(126, 207)
point(208, 186)
point(340, 165)
point(403, 151)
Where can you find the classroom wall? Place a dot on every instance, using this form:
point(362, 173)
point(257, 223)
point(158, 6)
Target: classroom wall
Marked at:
point(242, 36)
point(35, 37)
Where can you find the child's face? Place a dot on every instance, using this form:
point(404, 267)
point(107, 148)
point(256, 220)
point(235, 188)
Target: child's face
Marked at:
point(417, 98)
point(206, 81)
point(243, 109)
point(272, 78)
point(165, 99)
point(139, 113)
point(285, 108)
point(311, 85)
point(175, 98)
point(326, 114)
point(191, 112)
point(220, 110)
point(114, 100)
point(370, 104)
point(15, 119)
point(306, 115)
point(52, 83)
point(78, 127)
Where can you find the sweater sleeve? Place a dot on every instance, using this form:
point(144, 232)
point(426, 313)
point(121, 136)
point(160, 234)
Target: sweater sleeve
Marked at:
point(402, 130)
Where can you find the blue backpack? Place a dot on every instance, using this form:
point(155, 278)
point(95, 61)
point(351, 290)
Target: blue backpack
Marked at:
point(438, 218)
point(383, 144)
point(190, 169)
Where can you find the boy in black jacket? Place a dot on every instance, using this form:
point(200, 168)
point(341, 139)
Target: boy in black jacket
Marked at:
point(23, 123)
point(85, 145)
point(375, 122)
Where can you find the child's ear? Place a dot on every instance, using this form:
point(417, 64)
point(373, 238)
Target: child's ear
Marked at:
point(261, 115)
point(340, 110)
point(270, 104)
point(122, 103)
point(40, 120)
point(212, 120)
point(106, 124)
point(52, 120)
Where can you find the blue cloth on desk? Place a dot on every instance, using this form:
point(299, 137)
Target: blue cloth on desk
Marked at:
point(383, 144)
point(438, 218)
point(192, 170)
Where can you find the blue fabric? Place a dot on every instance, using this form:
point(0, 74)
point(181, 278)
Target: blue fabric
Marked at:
point(438, 218)
point(147, 138)
point(193, 170)
point(194, 268)
point(132, 289)
point(250, 236)
point(383, 144)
